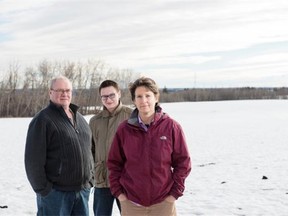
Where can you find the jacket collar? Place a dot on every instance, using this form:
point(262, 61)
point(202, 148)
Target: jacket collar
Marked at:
point(133, 120)
point(106, 113)
point(72, 106)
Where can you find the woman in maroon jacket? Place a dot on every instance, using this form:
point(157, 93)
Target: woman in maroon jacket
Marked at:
point(149, 160)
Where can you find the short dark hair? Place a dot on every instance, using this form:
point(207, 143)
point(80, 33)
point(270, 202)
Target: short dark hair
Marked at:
point(145, 82)
point(108, 83)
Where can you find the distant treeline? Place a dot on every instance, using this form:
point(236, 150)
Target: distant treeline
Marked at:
point(25, 96)
point(24, 93)
point(217, 94)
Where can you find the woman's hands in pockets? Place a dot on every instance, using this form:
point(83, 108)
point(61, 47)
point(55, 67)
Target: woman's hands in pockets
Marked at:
point(170, 198)
point(122, 197)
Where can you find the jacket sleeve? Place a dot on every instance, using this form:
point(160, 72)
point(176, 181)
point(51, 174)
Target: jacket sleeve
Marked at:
point(181, 161)
point(92, 140)
point(93, 149)
point(35, 157)
point(115, 164)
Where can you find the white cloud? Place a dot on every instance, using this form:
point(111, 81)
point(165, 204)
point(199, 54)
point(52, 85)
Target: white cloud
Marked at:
point(138, 34)
point(265, 59)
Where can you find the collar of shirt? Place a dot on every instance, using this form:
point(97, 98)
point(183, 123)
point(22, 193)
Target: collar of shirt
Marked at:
point(142, 124)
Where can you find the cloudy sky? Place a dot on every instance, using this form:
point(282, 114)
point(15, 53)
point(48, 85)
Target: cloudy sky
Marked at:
point(190, 43)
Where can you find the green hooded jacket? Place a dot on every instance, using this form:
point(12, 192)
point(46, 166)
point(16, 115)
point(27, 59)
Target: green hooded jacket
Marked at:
point(103, 126)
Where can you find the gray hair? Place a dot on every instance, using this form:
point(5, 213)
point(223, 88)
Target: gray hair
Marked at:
point(61, 77)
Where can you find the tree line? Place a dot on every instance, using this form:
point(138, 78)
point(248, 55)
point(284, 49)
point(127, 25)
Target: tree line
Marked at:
point(24, 96)
point(220, 94)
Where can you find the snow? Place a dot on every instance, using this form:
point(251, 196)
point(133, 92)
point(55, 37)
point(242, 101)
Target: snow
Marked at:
point(233, 144)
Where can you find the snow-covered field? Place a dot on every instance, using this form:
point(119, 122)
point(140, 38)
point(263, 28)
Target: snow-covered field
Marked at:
point(233, 144)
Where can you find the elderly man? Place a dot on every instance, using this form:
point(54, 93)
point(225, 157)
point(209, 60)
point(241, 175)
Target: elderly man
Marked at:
point(58, 159)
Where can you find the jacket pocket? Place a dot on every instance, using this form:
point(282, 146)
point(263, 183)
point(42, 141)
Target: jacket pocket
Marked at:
point(100, 172)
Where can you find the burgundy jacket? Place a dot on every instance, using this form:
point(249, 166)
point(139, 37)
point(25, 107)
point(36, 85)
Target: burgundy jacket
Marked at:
point(148, 166)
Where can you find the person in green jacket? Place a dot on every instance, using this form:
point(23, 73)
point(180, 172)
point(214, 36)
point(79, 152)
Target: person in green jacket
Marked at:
point(103, 126)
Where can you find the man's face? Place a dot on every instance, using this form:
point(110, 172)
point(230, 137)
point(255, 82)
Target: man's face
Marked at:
point(61, 93)
point(110, 98)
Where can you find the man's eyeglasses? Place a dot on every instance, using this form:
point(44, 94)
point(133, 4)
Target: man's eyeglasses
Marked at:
point(62, 91)
point(110, 96)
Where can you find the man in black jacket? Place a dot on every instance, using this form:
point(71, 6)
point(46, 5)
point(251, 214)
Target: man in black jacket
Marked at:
point(58, 159)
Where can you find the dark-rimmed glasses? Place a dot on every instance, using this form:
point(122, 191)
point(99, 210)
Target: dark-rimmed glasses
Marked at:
point(110, 96)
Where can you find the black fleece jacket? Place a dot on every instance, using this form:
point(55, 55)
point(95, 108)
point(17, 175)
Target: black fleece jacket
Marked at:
point(58, 154)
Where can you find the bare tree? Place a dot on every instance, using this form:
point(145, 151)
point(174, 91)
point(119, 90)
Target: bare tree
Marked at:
point(10, 102)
